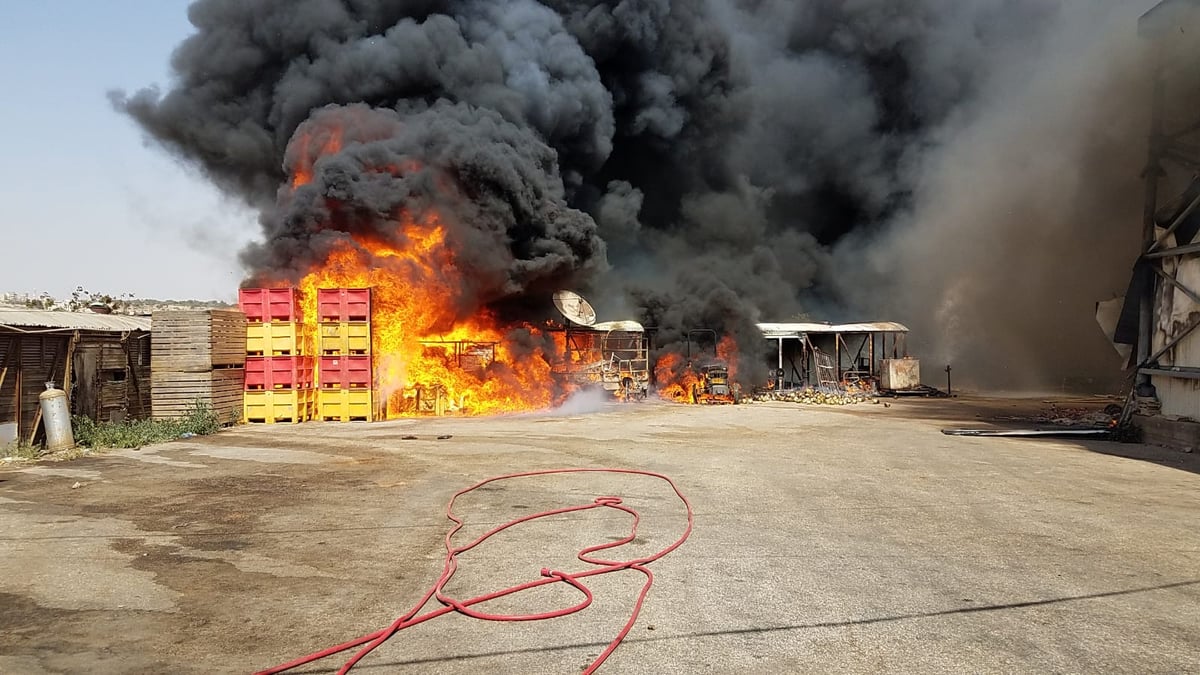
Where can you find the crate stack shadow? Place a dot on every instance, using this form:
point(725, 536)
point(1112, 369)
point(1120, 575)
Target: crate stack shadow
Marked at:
point(345, 372)
point(197, 357)
point(280, 367)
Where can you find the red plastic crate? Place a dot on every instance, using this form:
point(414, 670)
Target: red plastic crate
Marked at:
point(265, 305)
point(344, 304)
point(344, 372)
point(279, 372)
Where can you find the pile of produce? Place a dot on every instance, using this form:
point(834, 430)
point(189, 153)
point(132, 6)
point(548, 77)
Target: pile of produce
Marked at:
point(814, 397)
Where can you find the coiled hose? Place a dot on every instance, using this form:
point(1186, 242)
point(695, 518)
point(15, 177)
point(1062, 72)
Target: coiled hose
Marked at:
point(369, 642)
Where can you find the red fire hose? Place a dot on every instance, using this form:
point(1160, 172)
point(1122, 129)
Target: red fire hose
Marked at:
point(450, 604)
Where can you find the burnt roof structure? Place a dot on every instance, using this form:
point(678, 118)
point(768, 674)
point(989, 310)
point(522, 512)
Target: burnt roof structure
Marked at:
point(1162, 309)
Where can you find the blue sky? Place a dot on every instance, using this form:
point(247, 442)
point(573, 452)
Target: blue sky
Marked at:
point(87, 201)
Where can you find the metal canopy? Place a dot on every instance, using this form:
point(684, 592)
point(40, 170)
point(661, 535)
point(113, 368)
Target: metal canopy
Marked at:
point(796, 330)
point(833, 351)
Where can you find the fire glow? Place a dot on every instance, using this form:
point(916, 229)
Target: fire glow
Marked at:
point(679, 379)
point(423, 348)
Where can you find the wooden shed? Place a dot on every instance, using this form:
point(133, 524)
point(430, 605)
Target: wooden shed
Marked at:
point(101, 360)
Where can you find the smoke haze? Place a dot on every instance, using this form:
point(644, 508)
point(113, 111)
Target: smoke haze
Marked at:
point(968, 168)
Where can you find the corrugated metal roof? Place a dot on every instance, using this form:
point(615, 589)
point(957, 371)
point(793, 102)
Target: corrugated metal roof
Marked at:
point(36, 320)
point(797, 329)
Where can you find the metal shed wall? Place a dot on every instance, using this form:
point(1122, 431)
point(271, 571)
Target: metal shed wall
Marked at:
point(1175, 310)
point(1167, 287)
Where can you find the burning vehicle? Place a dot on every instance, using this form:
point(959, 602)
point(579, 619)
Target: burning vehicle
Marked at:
point(714, 385)
point(612, 355)
point(699, 376)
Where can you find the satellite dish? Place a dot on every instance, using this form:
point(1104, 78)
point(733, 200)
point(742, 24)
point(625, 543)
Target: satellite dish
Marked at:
point(575, 308)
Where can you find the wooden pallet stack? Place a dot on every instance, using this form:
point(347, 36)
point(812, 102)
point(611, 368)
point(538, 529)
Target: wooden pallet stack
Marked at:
point(344, 373)
point(197, 356)
point(280, 370)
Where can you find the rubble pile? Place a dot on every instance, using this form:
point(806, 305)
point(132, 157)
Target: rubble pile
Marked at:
point(1070, 417)
point(814, 397)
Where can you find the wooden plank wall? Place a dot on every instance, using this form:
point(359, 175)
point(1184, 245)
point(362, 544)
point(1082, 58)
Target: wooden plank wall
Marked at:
point(43, 359)
point(8, 377)
point(198, 356)
point(138, 357)
point(196, 341)
point(32, 361)
point(124, 375)
point(174, 393)
point(119, 383)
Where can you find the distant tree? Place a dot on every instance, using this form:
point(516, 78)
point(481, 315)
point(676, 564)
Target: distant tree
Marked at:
point(43, 301)
point(82, 299)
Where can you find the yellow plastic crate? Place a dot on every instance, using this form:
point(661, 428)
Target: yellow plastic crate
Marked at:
point(344, 338)
point(344, 405)
point(278, 339)
point(273, 406)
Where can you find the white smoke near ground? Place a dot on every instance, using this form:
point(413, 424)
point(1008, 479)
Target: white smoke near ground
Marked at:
point(582, 402)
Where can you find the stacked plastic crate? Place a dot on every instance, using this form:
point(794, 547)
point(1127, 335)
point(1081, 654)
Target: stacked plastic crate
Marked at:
point(279, 362)
point(344, 369)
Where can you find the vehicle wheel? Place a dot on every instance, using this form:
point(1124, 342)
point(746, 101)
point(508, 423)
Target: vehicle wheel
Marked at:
point(628, 391)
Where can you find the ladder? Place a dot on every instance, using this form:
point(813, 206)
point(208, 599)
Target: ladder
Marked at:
point(826, 370)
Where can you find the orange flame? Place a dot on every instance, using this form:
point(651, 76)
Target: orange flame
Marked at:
point(675, 377)
point(680, 381)
point(427, 357)
point(326, 141)
point(422, 350)
point(727, 352)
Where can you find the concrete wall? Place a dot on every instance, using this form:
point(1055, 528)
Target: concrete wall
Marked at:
point(1170, 433)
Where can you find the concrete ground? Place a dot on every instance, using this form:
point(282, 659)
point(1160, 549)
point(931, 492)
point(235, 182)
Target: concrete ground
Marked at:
point(828, 540)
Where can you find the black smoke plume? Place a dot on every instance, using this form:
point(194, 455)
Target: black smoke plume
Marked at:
point(969, 168)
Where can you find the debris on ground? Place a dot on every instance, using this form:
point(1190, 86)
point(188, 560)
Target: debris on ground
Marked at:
point(1030, 433)
point(1069, 417)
